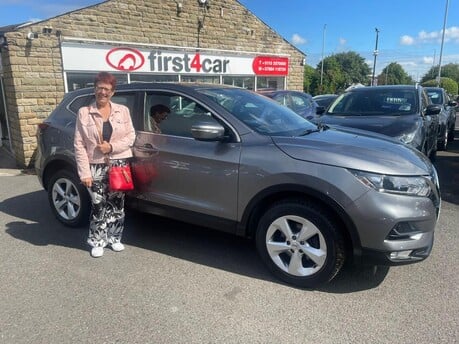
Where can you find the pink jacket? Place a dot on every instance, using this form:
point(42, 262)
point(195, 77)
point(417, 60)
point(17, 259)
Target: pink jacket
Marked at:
point(87, 136)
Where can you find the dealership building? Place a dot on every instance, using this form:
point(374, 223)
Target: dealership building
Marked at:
point(213, 41)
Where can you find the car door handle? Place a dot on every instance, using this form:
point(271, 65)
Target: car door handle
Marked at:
point(147, 148)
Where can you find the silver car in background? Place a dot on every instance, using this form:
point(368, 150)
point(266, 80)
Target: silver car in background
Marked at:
point(310, 196)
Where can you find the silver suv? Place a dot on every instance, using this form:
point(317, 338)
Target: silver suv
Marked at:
point(229, 159)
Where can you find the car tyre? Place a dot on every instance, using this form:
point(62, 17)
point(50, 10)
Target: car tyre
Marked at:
point(300, 243)
point(433, 155)
point(68, 198)
point(443, 144)
point(451, 133)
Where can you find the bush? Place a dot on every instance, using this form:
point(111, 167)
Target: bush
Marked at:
point(448, 84)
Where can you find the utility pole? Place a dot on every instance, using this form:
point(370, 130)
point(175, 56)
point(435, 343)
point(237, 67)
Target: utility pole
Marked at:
point(322, 64)
point(387, 74)
point(442, 41)
point(375, 53)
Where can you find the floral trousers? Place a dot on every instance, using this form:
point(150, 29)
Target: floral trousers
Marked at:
point(107, 208)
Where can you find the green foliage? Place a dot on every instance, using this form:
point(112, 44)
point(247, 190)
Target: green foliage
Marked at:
point(394, 74)
point(339, 72)
point(450, 70)
point(448, 84)
point(344, 69)
point(310, 77)
point(354, 67)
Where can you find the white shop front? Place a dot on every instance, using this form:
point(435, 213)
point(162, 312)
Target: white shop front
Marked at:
point(136, 63)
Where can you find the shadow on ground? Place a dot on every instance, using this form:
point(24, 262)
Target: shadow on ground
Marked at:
point(447, 164)
point(36, 225)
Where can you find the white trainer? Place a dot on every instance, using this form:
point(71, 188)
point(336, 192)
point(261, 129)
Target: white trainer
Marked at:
point(117, 247)
point(97, 252)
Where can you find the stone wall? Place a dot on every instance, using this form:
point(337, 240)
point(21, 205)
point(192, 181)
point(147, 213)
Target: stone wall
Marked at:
point(33, 76)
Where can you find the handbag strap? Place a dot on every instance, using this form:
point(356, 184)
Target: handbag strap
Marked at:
point(99, 132)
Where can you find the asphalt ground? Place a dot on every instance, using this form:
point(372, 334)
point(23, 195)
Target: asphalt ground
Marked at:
point(177, 283)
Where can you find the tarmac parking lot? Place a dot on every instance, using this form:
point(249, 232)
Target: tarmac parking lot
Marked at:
point(177, 283)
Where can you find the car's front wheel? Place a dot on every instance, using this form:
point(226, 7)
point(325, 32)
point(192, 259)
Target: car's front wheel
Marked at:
point(451, 132)
point(68, 198)
point(300, 243)
point(443, 144)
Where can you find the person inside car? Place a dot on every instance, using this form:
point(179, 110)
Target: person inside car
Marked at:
point(158, 113)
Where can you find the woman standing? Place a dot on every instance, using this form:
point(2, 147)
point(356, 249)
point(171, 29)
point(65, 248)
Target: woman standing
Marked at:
point(104, 133)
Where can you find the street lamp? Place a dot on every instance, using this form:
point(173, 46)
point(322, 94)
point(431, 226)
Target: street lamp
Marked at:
point(322, 65)
point(442, 40)
point(375, 53)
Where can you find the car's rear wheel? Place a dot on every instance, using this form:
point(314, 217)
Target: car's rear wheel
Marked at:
point(300, 243)
point(68, 198)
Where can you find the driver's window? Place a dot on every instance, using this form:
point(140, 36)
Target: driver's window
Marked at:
point(183, 113)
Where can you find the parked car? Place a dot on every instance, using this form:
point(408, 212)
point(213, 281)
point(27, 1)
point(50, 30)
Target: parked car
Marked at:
point(404, 112)
point(447, 116)
point(300, 102)
point(325, 100)
point(235, 161)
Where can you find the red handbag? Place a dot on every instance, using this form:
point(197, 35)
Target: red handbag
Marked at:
point(120, 178)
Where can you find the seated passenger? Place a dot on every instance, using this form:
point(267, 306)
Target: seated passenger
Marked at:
point(158, 113)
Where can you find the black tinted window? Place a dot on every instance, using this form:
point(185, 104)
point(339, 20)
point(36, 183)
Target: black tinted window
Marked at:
point(376, 102)
point(79, 102)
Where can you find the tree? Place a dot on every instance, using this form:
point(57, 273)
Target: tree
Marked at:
point(339, 71)
point(310, 75)
point(451, 70)
point(354, 67)
point(394, 74)
point(448, 84)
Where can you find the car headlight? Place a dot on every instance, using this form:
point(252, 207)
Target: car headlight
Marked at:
point(401, 185)
point(407, 137)
point(412, 138)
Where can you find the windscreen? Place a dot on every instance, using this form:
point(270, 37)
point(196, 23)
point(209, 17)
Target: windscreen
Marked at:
point(376, 102)
point(260, 113)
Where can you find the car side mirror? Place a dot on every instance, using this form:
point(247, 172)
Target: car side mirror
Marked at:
point(320, 110)
point(433, 109)
point(452, 103)
point(208, 131)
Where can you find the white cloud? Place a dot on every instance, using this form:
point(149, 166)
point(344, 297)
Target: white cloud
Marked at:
point(406, 40)
point(342, 41)
point(298, 40)
point(451, 35)
point(426, 37)
point(428, 60)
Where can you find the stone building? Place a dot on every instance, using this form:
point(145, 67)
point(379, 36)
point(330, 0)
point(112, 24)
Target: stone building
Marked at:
point(218, 41)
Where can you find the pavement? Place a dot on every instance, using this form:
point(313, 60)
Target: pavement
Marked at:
point(8, 166)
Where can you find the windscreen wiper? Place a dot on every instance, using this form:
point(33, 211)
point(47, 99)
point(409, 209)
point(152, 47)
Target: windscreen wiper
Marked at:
point(310, 131)
point(322, 126)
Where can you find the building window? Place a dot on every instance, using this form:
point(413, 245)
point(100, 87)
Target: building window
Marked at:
point(276, 83)
point(240, 81)
point(200, 78)
point(79, 80)
point(86, 79)
point(153, 78)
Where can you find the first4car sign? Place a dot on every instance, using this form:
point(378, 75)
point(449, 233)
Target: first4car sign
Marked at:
point(81, 57)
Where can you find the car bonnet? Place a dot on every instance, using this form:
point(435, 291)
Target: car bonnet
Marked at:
point(393, 126)
point(355, 150)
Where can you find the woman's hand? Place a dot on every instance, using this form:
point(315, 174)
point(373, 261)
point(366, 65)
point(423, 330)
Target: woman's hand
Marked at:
point(105, 147)
point(87, 182)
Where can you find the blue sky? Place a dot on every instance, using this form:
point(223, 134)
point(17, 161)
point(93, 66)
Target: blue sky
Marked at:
point(410, 31)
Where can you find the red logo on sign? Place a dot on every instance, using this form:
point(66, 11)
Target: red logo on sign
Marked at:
point(125, 59)
point(268, 65)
